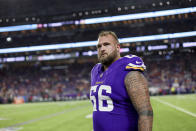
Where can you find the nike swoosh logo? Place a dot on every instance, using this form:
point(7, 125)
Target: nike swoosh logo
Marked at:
point(137, 62)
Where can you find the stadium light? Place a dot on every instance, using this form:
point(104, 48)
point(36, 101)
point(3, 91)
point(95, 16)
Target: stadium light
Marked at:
point(158, 37)
point(93, 43)
point(189, 44)
point(102, 19)
point(19, 28)
point(157, 47)
point(138, 15)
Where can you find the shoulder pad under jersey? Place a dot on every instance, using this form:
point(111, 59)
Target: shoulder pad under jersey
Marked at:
point(134, 62)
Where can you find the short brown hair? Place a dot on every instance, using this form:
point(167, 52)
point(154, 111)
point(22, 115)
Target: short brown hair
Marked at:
point(105, 33)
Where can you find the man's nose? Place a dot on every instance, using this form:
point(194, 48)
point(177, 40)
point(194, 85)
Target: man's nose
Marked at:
point(102, 48)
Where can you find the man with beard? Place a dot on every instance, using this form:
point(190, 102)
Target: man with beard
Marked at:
point(119, 91)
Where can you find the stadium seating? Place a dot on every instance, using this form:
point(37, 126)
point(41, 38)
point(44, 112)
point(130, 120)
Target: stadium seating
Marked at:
point(174, 74)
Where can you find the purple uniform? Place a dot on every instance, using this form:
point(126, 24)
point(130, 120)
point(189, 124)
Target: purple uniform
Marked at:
point(112, 108)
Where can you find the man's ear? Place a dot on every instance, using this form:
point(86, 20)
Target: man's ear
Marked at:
point(118, 47)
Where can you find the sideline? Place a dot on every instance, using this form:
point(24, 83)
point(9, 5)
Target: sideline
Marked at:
point(175, 107)
point(42, 118)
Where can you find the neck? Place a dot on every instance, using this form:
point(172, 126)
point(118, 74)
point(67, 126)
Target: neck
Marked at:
point(106, 66)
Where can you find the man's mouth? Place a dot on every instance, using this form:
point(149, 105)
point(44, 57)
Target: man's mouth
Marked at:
point(103, 54)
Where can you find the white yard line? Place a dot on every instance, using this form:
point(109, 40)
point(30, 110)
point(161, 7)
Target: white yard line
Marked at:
point(89, 116)
point(42, 118)
point(3, 119)
point(175, 107)
point(11, 129)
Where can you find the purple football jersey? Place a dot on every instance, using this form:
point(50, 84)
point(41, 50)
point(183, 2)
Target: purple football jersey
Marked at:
point(112, 107)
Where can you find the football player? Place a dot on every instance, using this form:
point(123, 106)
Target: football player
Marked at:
point(119, 91)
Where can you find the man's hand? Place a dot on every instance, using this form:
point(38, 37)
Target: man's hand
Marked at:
point(137, 88)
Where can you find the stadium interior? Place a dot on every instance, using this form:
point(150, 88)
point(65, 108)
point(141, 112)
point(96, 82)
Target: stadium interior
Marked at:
point(47, 48)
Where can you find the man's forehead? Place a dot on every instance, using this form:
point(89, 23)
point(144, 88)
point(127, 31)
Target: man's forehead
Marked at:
point(106, 38)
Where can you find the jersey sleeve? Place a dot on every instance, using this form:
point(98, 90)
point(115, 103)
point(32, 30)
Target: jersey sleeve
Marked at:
point(94, 72)
point(134, 63)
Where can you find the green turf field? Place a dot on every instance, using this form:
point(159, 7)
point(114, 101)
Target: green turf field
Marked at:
point(171, 113)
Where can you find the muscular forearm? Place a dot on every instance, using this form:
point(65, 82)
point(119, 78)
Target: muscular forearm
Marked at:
point(145, 122)
point(136, 85)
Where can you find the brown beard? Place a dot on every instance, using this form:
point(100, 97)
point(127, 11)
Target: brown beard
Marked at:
point(109, 59)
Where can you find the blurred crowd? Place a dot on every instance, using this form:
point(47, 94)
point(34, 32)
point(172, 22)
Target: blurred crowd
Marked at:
point(172, 74)
point(166, 75)
point(45, 83)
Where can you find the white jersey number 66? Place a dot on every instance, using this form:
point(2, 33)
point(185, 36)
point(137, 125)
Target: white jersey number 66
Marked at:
point(101, 98)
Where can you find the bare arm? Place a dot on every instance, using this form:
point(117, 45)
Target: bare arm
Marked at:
point(137, 88)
